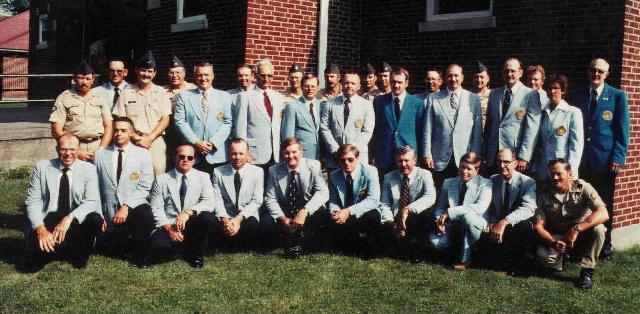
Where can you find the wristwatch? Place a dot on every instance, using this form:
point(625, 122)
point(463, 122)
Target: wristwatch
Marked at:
point(577, 228)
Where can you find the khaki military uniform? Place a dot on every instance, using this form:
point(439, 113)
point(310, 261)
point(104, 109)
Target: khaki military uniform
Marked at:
point(484, 103)
point(325, 94)
point(146, 109)
point(371, 94)
point(561, 213)
point(290, 97)
point(173, 93)
point(83, 117)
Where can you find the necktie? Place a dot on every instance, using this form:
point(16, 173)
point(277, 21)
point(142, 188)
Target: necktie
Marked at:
point(116, 95)
point(313, 117)
point(345, 113)
point(454, 107)
point(292, 192)
point(349, 195)
point(506, 102)
point(267, 105)
point(505, 198)
point(396, 107)
point(463, 191)
point(205, 105)
point(237, 181)
point(119, 169)
point(594, 101)
point(183, 190)
point(63, 193)
point(404, 192)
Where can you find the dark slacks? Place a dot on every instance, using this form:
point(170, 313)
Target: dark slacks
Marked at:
point(244, 239)
point(78, 241)
point(130, 236)
point(358, 235)
point(312, 236)
point(450, 171)
point(413, 242)
point(197, 231)
point(516, 242)
point(604, 183)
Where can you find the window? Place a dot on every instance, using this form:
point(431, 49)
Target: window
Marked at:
point(459, 14)
point(43, 31)
point(190, 15)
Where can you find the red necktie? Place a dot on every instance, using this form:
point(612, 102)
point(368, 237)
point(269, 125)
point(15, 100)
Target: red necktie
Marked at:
point(267, 105)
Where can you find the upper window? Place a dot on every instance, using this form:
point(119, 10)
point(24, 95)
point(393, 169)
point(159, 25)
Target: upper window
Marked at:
point(459, 14)
point(43, 31)
point(190, 15)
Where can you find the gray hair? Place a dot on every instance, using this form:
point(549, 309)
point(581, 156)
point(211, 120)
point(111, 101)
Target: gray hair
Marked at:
point(263, 62)
point(406, 149)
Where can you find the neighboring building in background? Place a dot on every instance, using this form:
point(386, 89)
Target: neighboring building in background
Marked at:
point(14, 55)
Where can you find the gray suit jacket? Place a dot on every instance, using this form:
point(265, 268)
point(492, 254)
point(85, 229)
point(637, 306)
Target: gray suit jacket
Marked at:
point(299, 123)
point(251, 191)
point(165, 195)
point(357, 131)
point(366, 190)
point(135, 183)
point(42, 196)
point(422, 192)
point(476, 200)
point(312, 183)
point(253, 124)
point(518, 129)
point(522, 199)
point(443, 139)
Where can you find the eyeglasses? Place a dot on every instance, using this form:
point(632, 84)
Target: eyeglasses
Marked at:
point(265, 75)
point(120, 72)
point(347, 160)
point(594, 71)
point(183, 157)
point(505, 162)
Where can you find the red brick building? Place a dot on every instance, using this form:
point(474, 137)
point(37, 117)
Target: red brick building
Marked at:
point(563, 36)
point(14, 56)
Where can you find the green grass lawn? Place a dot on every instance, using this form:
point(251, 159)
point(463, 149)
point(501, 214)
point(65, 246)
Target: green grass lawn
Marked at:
point(250, 282)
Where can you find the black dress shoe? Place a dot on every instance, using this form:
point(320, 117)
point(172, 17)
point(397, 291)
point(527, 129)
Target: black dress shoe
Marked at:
point(293, 252)
point(79, 262)
point(197, 262)
point(586, 278)
point(143, 262)
point(606, 255)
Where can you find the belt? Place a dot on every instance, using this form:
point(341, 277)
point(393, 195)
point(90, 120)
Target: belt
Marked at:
point(89, 140)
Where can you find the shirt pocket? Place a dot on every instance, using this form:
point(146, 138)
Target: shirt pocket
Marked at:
point(133, 108)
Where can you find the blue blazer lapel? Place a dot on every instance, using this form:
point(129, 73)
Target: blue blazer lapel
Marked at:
point(389, 110)
point(454, 192)
point(341, 186)
point(445, 106)
point(108, 164)
point(302, 110)
point(196, 104)
point(229, 186)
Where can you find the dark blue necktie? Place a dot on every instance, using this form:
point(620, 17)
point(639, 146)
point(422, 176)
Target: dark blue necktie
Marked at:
point(183, 190)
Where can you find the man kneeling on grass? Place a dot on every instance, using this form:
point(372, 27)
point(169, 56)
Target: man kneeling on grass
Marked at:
point(570, 215)
point(182, 205)
point(63, 207)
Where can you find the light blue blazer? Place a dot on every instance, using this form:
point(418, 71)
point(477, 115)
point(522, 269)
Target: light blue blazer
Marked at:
point(522, 199)
point(251, 191)
point(366, 189)
point(42, 196)
point(192, 126)
point(443, 139)
point(518, 129)
point(357, 131)
point(165, 195)
point(316, 192)
point(253, 124)
point(298, 122)
point(135, 183)
point(561, 136)
point(422, 192)
point(476, 200)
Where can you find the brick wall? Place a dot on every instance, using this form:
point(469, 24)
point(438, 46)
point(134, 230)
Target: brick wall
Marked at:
point(627, 198)
point(345, 28)
point(284, 31)
point(14, 88)
point(221, 43)
point(563, 36)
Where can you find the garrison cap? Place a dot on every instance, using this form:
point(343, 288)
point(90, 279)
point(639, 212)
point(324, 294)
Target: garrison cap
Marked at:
point(295, 68)
point(175, 62)
point(332, 68)
point(479, 68)
point(385, 67)
point(83, 68)
point(147, 61)
point(368, 69)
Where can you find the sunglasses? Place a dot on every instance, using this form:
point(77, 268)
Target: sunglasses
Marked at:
point(120, 72)
point(183, 157)
point(347, 160)
point(505, 162)
point(594, 71)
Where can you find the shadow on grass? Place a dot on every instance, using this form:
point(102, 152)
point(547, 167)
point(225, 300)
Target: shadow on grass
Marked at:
point(12, 252)
point(12, 221)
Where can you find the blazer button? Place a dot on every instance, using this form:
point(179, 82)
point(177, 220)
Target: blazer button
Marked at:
point(589, 140)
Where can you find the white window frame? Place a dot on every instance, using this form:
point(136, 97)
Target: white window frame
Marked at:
point(451, 21)
point(42, 26)
point(187, 23)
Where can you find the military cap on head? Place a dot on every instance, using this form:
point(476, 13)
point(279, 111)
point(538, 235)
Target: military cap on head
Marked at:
point(83, 68)
point(479, 68)
point(175, 63)
point(368, 69)
point(147, 61)
point(295, 68)
point(332, 68)
point(385, 67)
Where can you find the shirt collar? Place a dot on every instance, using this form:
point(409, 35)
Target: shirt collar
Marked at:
point(599, 90)
point(458, 91)
point(61, 166)
point(241, 170)
point(514, 89)
point(354, 174)
point(125, 148)
point(208, 91)
point(180, 174)
point(401, 97)
point(112, 87)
